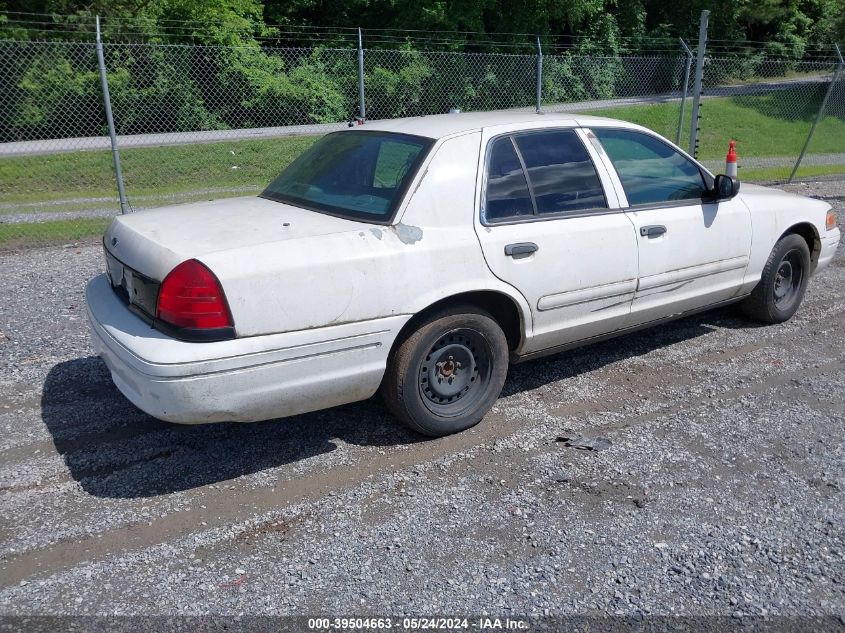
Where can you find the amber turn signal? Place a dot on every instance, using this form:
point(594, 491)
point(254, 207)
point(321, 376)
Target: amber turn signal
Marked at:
point(830, 222)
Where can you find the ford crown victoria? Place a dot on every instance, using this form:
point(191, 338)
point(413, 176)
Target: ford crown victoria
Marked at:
point(421, 256)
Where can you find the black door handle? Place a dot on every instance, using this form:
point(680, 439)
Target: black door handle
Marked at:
point(652, 231)
point(521, 250)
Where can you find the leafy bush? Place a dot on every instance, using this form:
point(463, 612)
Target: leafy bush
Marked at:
point(54, 98)
point(269, 91)
point(568, 78)
point(151, 93)
point(396, 93)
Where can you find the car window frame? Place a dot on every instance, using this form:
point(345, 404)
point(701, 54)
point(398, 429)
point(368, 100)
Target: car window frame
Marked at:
point(598, 165)
point(487, 158)
point(706, 176)
point(413, 174)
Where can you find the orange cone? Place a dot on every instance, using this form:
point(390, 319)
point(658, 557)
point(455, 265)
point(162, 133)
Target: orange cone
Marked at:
point(730, 160)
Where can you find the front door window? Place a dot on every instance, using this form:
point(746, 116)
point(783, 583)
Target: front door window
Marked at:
point(651, 171)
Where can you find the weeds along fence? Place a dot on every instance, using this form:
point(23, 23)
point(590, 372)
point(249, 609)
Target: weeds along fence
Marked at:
point(194, 122)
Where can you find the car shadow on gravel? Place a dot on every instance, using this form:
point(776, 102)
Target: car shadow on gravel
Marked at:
point(115, 450)
point(533, 374)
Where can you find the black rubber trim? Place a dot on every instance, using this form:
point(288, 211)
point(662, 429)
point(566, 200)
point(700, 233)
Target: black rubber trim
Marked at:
point(189, 334)
point(521, 250)
point(195, 335)
point(144, 303)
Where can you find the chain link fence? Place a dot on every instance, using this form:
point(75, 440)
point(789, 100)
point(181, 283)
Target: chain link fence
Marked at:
point(197, 122)
point(824, 151)
point(416, 83)
point(184, 94)
point(49, 91)
point(644, 89)
point(784, 95)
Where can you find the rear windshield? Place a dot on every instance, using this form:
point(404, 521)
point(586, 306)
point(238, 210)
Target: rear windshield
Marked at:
point(357, 175)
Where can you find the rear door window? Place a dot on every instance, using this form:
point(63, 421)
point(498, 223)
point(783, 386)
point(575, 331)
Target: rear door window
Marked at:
point(507, 189)
point(540, 173)
point(562, 176)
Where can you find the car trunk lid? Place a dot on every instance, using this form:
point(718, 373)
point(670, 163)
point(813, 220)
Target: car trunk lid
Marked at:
point(153, 242)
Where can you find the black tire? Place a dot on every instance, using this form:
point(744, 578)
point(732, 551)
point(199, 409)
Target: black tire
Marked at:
point(783, 283)
point(466, 350)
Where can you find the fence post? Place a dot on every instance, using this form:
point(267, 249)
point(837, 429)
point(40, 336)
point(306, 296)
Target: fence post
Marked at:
point(820, 113)
point(104, 82)
point(362, 109)
point(686, 85)
point(539, 75)
point(699, 75)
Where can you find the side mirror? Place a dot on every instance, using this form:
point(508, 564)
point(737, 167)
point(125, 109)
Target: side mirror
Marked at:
point(725, 187)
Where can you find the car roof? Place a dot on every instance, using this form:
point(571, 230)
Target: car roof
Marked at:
point(440, 125)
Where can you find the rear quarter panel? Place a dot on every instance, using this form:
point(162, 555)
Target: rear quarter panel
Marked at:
point(429, 253)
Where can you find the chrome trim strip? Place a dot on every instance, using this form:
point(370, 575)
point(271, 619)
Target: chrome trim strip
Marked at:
point(280, 361)
point(111, 342)
point(585, 295)
point(692, 272)
point(517, 358)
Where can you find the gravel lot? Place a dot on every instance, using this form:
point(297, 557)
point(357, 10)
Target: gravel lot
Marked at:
point(721, 492)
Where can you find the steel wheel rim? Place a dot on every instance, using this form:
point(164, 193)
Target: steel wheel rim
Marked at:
point(788, 279)
point(455, 372)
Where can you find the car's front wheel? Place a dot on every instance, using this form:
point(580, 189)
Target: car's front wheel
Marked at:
point(446, 375)
point(783, 282)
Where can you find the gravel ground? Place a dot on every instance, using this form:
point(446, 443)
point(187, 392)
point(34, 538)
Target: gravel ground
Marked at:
point(721, 492)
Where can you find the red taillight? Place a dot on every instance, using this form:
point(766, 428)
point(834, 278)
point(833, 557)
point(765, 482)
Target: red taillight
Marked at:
point(191, 297)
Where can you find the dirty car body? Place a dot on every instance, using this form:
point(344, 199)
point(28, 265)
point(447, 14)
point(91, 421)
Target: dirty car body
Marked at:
point(512, 233)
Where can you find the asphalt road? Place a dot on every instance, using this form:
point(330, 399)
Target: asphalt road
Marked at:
point(720, 494)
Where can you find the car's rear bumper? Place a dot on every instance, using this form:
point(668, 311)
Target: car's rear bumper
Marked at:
point(244, 380)
point(830, 241)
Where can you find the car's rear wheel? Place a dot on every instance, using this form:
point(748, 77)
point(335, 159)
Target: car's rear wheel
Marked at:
point(783, 282)
point(446, 375)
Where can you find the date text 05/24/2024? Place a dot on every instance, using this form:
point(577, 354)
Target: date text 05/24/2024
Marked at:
point(416, 624)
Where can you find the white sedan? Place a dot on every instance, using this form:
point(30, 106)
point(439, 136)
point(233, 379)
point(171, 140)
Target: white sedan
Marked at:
point(422, 256)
